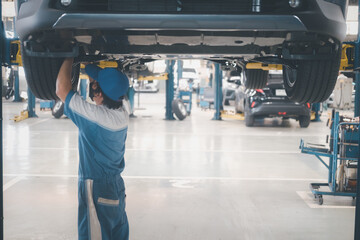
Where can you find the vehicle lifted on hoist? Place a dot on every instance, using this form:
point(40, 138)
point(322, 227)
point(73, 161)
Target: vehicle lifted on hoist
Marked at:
point(303, 35)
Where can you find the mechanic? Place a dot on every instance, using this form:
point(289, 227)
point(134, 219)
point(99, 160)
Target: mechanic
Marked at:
point(102, 136)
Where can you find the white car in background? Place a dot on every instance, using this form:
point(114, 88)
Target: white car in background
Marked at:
point(146, 86)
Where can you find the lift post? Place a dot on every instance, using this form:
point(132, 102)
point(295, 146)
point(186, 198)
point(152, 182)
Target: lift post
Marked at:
point(16, 84)
point(218, 92)
point(31, 104)
point(179, 72)
point(169, 89)
point(131, 94)
point(17, 97)
point(315, 108)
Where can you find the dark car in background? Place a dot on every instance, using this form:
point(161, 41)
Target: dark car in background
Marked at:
point(302, 35)
point(270, 101)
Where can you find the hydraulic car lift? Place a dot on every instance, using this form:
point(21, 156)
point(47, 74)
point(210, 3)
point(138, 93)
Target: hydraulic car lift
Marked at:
point(170, 95)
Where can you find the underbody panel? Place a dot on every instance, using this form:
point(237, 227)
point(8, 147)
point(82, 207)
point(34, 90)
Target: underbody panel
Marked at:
point(225, 29)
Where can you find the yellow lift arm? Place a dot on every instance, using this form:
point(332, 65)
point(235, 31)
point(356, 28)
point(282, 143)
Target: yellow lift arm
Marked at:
point(104, 64)
point(263, 66)
point(163, 76)
point(347, 57)
point(15, 57)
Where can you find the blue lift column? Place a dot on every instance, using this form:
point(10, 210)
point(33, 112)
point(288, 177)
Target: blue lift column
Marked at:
point(131, 95)
point(16, 84)
point(218, 92)
point(169, 89)
point(179, 72)
point(316, 108)
point(16, 74)
point(31, 104)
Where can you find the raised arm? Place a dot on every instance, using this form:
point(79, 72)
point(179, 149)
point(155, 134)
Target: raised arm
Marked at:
point(63, 82)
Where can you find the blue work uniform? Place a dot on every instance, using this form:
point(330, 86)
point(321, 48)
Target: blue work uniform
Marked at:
point(102, 136)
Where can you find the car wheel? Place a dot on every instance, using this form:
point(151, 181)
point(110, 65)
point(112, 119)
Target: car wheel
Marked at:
point(256, 78)
point(237, 109)
point(249, 119)
point(41, 74)
point(179, 109)
point(226, 103)
point(58, 109)
point(304, 121)
point(311, 81)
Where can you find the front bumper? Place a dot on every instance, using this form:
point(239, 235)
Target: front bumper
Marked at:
point(277, 109)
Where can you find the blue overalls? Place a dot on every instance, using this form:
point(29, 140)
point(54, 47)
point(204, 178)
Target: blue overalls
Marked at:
point(102, 136)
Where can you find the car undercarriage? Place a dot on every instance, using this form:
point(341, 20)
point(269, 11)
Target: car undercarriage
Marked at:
point(303, 36)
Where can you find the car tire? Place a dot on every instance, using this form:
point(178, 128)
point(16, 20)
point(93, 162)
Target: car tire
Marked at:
point(41, 74)
point(239, 104)
point(58, 109)
point(312, 81)
point(256, 78)
point(179, 109)
point(304, 121)
point(237, 109)
point(249, 119)
point(226, 103)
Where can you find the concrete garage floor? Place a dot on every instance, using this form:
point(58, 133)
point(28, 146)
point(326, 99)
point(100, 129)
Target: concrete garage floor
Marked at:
point(191, 179)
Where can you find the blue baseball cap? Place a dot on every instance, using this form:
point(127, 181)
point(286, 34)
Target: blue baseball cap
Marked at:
point(113, 83)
